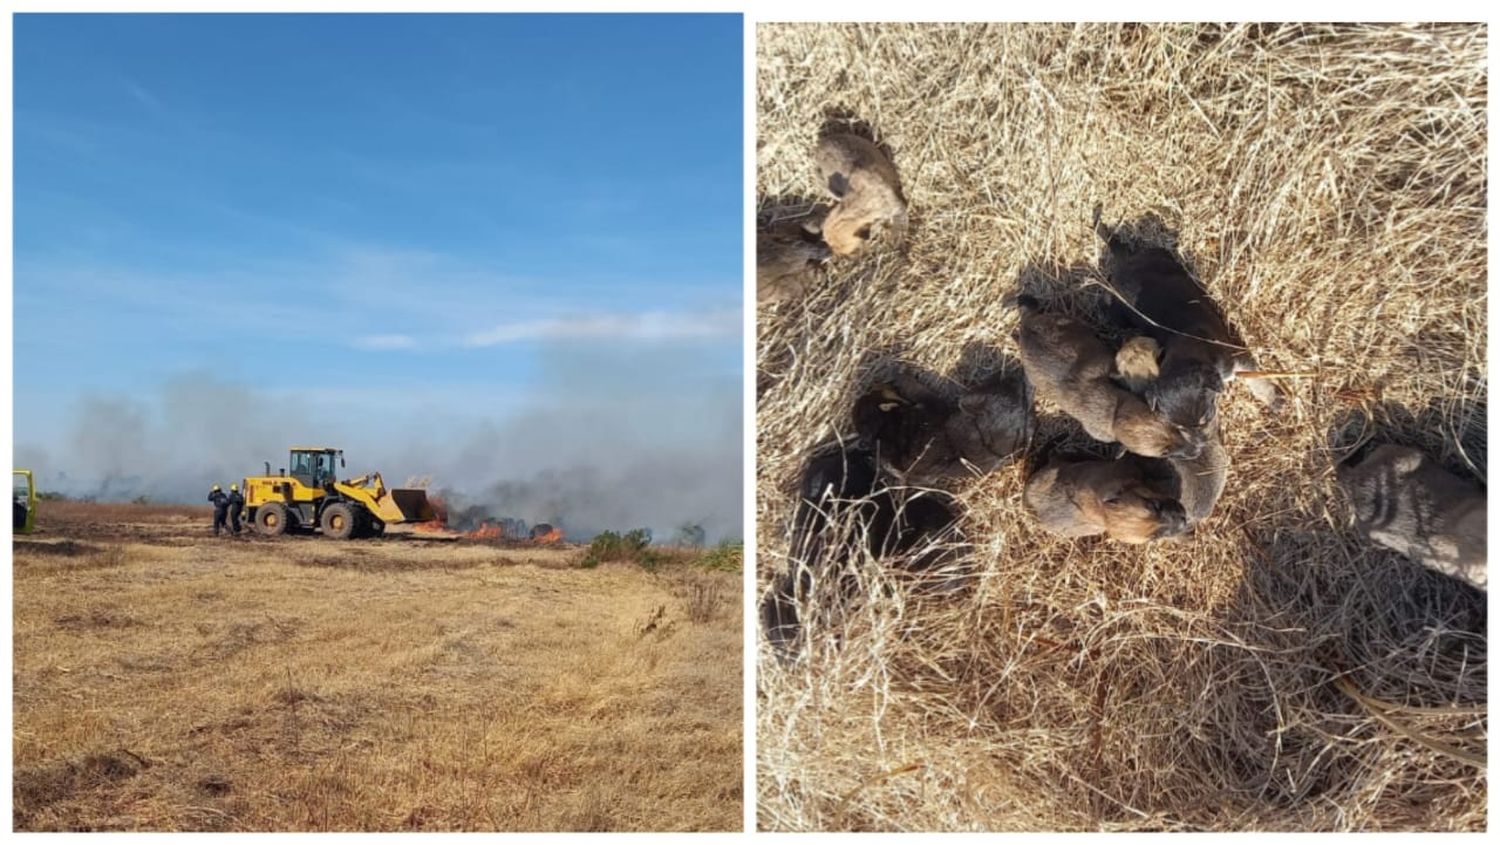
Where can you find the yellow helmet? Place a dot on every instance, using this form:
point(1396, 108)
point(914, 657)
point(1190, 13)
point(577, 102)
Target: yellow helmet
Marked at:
point(234, 488)
point(216, 487)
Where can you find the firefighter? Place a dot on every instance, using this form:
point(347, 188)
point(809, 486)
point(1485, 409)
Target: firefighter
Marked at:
point(236, 504)
point(221, 504)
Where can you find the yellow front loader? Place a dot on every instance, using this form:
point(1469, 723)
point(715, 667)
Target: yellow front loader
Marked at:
point(311, 496)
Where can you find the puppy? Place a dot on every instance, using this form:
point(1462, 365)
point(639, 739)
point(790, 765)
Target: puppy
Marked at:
point(786, 255)
point(834, 485)
point(924, 437)
point(1199, 351)
point(1135, 364)
point(865, 183)
point(1405, 501)
point(1128, 500)
point(1067, 363)
point(993, 422)
point(841, 511)
point(1201, 479)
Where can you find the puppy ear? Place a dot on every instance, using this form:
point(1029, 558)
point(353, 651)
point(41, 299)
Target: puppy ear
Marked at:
point(838, 185)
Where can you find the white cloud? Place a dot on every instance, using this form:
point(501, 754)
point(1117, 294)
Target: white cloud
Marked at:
point(647, 326)
point(382, 342)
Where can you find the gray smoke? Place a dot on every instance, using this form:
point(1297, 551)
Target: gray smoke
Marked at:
point(622, 439)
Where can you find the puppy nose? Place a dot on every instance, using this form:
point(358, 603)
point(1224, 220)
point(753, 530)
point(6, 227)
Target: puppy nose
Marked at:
point(1172, 521)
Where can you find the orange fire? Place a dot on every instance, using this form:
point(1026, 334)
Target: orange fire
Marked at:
point(440, 521)
point(486, 531)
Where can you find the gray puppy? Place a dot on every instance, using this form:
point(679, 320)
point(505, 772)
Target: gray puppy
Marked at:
point(1128, 500)
point(1201, 479)
point(786, 255)
point(1068, 364)
point(1404, 501)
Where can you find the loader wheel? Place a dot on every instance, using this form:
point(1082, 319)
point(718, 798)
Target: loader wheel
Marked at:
point(362, 521)
point(271, 519)
point(338, 521)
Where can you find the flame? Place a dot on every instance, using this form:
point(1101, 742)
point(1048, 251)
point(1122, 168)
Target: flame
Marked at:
point(486, 531)
point(439, 522)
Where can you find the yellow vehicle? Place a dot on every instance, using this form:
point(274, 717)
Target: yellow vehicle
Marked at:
point(311, 496)
point(23, 489)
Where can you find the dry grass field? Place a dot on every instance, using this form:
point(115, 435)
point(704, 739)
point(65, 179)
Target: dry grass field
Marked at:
point(168, 680)
point(1271, 672)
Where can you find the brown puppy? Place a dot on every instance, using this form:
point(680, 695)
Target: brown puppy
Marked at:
point(865, 183)
point(1067, 363)
point(786, 254)
point(1128, 500)
point(923, 437)
point(1404, 501)
point(1135, 364)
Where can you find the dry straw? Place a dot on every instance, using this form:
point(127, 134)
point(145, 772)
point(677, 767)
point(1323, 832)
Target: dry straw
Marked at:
point(1272, 672)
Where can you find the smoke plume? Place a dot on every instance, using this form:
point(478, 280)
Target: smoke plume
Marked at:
point(616, 439)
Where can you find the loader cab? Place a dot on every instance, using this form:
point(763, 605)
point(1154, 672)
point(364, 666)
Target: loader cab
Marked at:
point(314, 467)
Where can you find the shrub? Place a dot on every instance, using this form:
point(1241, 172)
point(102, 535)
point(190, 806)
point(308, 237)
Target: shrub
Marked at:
point(728, 556)
point(631, 546)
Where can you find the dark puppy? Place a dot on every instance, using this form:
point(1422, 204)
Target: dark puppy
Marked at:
point(868, 191)
point(787, 254)
point(924, 437)
point(843, 513)
point(1200, 353)
point(1128, 500)
point(834, 485)
point(1405, 501)
point(1068, 364)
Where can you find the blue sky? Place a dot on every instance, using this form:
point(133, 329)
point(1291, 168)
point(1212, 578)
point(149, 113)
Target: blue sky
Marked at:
point(391, 219)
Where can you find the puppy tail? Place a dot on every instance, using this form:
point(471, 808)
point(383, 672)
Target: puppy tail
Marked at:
point(778, 617)
point(1117, 247)
point(1023, 301)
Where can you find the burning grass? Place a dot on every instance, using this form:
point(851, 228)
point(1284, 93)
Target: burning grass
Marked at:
point(305, 684)
point(1269, 673)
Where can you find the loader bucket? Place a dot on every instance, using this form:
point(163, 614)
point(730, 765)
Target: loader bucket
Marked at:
point(413, 504)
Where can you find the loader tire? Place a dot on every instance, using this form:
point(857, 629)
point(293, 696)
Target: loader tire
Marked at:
point(271, 520)
point(338, 521)
point(362, 520)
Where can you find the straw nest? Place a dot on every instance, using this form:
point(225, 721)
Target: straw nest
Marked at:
point(1327, 184)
